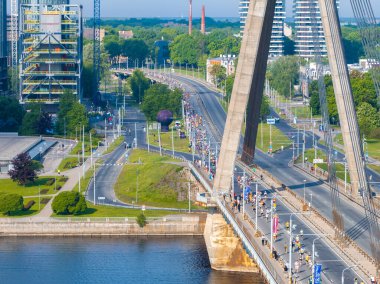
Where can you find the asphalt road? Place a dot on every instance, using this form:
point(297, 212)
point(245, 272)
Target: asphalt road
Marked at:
point(278, 165)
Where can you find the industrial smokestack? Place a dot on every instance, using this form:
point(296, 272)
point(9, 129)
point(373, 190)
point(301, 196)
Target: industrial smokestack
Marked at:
point(203, 23)
point(190, 17)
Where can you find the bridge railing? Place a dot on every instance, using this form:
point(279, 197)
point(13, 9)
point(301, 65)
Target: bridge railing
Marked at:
point(251, 244)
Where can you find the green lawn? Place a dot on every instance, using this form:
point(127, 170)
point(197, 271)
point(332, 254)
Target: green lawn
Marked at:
point(180, 145)
point(114, 145)
point(31, 189)
point(110, 211)
point(158, 181)
point(35, 209)
point(373, 146)
point(278, 138)
point(301, 111)
point(375, 168)
point(72, 162)
point(309, 154)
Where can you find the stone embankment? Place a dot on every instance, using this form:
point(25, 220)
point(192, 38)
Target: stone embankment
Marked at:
point(192, 225)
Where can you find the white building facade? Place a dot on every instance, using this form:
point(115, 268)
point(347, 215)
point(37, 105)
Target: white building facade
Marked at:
point(309, 35)
point(277, 40)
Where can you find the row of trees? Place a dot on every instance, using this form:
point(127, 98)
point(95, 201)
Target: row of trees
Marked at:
point(365, 100)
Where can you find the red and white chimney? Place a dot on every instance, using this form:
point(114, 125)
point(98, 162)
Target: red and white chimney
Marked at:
point(190, 17)
point(203, 22)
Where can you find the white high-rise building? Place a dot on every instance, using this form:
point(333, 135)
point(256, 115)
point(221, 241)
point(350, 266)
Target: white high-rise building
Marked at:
point(277, 40)
point(309, 36)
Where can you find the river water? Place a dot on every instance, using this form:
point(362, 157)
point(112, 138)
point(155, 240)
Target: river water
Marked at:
point(110, 260)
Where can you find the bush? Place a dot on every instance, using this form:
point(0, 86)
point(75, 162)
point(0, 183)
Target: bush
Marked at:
point(63, 179)
point(45, 200)
point(29, 205)
point(69, 203)
point(50, 182)
point(11, 203)
point(59, 187)
point(44, 191)
point(141, 220)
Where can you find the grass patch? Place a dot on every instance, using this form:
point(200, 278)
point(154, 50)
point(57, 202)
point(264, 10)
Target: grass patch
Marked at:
point(156, 180)
point(180, 145)
point(35, 209)
point(118, 141)
point(375, 168)
point(372, 146)
point(278, 138)
point(110, 211)
point(309, 154)
point(41, 185)
point(72, 160)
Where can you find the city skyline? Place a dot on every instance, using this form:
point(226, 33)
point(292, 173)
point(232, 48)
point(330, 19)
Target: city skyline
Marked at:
point(153, 8)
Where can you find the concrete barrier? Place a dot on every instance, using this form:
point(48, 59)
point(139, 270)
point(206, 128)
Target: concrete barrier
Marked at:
point(186, 225)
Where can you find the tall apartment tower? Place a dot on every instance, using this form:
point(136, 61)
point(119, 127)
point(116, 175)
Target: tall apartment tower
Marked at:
point(277, 40)
point(50, 50)
point(3, 48)
point(309, 36)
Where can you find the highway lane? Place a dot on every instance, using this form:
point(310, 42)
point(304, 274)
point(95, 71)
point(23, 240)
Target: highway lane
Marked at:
point(331, 272)
point(355, 224)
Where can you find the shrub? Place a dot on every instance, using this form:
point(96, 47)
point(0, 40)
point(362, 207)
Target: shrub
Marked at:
point(45, 200)
point(50, 182)
point(59, 187)
point(69, 203)
point(141, 220)
point(29, 205)
point(44, 191)
point(11, 203)
point(63, 179)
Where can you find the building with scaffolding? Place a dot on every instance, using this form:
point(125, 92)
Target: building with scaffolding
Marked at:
point(50, 50)
point(3, 48)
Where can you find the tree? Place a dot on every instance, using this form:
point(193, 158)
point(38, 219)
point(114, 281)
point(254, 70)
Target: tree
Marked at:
point(141, 220)
point(135, 49)
point(11, 203)
point(368, 118)
point(186, 49)
point(69, 203)
point(139, 84)
point(283, 73)
point(218, 73)
point(113, 46)
point(265, 107)
point(44, 123)
point(229, 86)
point(11, 114)
point(71, 114)
point(23, 169)
point(159, 97)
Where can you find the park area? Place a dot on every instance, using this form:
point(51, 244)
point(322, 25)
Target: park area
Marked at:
point(279, 139)
point(35, 194)
point(167, 139)
point(153, 180)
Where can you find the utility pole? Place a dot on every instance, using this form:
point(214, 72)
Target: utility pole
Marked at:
point(173, 140)
point(135, 135)
point(147, 133)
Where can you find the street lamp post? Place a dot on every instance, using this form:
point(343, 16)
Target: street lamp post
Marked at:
point(348, 268)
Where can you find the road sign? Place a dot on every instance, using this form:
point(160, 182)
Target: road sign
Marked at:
point(317, 273)
point(143, 208)
point(317, 161)
point(271, 121)
point(101, 198)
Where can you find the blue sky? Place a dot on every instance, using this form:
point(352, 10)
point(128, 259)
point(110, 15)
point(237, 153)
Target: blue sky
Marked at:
point(179, 8)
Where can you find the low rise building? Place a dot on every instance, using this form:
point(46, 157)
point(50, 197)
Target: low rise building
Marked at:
point(126, 34)
point(227, 61)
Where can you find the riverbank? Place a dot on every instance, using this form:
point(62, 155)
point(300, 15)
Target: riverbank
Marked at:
point(179, 225)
